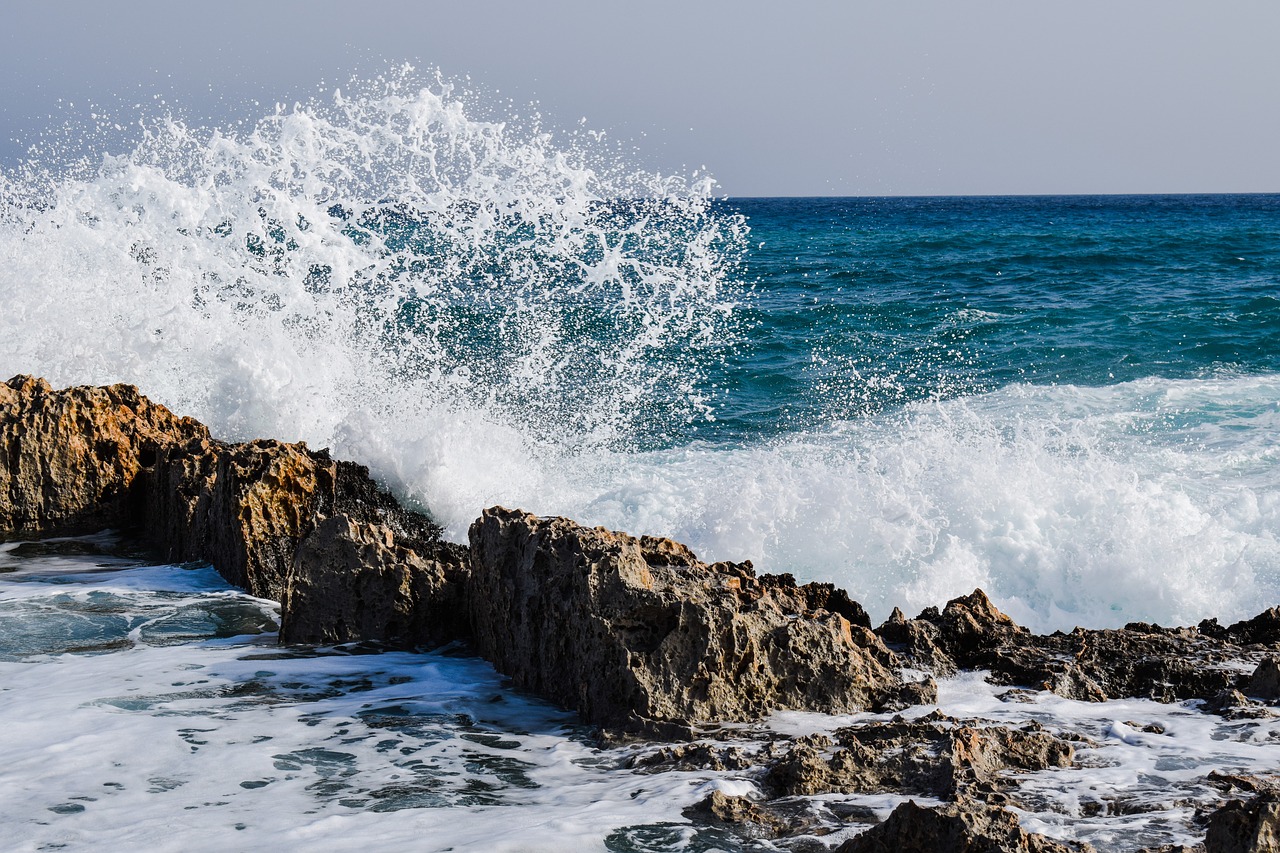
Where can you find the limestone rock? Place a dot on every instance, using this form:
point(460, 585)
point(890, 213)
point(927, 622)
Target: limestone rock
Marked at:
point(1165, 664)
point(955, 828)
point(72, 458)
point(352, 581)
point(1252, 826)
point(1265, 681)
point(935, 755)
point(635, 635)
point(738, 812)
point(81, 459)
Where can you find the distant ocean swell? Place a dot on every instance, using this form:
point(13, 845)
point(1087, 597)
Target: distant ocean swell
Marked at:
point(1068, 403)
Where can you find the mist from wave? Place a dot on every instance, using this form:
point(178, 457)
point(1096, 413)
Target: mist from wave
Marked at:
point(910, 398)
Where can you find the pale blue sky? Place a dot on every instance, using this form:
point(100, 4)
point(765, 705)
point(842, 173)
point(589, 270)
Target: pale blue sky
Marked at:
point(852, 98)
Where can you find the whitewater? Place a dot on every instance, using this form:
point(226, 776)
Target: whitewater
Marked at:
point(1070, 403)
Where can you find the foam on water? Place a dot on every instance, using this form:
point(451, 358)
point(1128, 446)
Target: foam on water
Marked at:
point(154, 725)
point(1156, 500)
point(486, 312)
point(168, 719)
point(377, 271)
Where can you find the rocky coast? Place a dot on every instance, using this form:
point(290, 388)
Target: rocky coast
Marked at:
point(675, 658)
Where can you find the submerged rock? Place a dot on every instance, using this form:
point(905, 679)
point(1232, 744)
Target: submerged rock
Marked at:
point(615, 627)
point(956, 828)
point(1252, 826)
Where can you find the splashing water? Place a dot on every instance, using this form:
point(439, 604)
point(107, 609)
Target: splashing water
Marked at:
point(1067, 402)
point(378, 272)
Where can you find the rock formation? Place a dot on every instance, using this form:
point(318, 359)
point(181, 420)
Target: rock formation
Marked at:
point(81, 459)
point(73, 458)
point(637, 633)
point(1252, 826)
point(955, 828)
point(1140, 660)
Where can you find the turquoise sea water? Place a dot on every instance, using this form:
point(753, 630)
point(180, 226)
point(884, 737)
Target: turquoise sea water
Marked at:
point(865, 304)
point(1067, 401)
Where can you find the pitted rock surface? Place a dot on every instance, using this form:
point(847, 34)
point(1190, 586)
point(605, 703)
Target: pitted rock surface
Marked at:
point(635, 632)
point(73, 458)
point(954, 828)
point(1139, 660)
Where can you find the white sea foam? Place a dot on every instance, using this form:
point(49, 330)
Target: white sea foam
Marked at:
point(486, 314)
point(176, 730)
point(1156, 500)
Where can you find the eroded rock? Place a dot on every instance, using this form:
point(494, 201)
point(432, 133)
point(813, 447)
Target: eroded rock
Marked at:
point(935, 755)
point(80, 459)
point(351, 581)
point(1140, 660)
point(633, 635)
point(955, 828)
point(73, 457)
point(1251, 826)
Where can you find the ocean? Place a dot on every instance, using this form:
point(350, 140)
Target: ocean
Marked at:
point(1069, 402)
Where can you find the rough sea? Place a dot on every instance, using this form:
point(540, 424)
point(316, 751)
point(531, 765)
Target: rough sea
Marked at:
point(1070, 402)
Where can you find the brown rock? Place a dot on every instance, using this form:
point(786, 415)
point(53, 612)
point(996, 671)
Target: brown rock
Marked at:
point(245, 508)
point(72, 458)
point(738, 812)
point(1165, 664)
point(81, 459)
point(1252, 826)
point(1265, 681)
point(353, 581)
point(580, 616)
point(955, 828)
point(935, 755)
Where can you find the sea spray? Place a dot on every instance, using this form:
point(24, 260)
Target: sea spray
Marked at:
point(1068, 402)
point(379, 272)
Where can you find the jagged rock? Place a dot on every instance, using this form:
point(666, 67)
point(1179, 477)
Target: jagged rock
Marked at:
point(247, 508)
point(72, 458)
point(1265, 681)
point(1251, 826)
point(1165, 664)
point(1261, 630)
point(1234, 705)
point(693, 756)
point(955, 828)
point(935, 755)
point(738, 812)
point(580, 616)
point(353, 581)
point(81, 459)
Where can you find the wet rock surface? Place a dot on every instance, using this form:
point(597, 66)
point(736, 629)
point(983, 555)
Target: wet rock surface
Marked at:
point(1251, 826)
point(955, 828)
point(1140, 660)
point(935, 755)
point(81, 459)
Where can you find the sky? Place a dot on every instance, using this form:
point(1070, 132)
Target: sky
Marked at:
point(898, 97)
